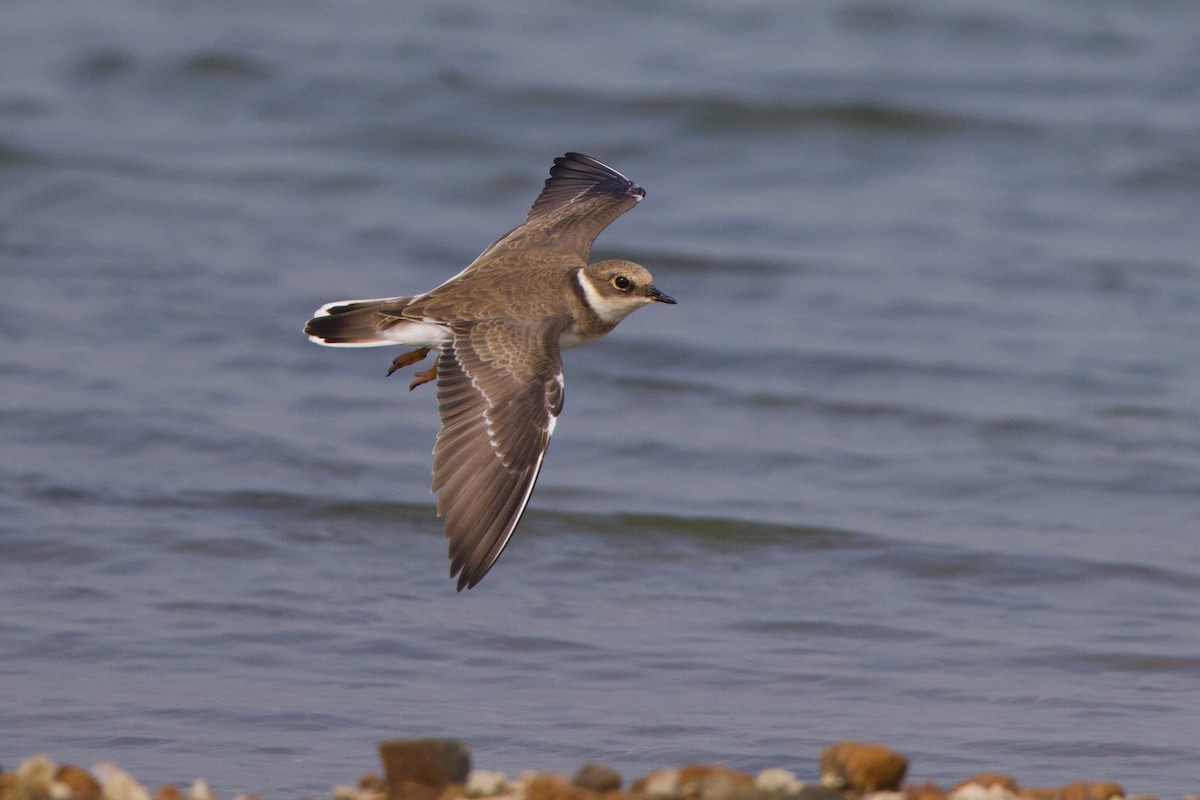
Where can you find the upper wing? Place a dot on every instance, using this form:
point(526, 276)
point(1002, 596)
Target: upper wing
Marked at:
point(581, 197)
point(500, 389)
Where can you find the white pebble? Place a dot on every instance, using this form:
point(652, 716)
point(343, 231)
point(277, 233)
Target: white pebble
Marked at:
point(484, 783)
point(200, 790)
point(664, 783)
point(779, 780)
point(117, 784)
point(975, 791)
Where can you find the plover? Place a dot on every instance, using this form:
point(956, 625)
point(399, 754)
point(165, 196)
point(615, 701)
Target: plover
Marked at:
point(498, 328)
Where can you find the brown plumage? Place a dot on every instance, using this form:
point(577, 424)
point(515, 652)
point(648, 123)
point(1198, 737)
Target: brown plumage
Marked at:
point(498, 327)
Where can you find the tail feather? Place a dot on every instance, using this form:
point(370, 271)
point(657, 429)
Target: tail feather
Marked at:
point(351, 323)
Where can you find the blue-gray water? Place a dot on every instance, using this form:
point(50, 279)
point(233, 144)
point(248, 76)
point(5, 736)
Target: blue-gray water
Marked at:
point(916, 458)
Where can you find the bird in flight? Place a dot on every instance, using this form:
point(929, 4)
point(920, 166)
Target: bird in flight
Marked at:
point(498, 329)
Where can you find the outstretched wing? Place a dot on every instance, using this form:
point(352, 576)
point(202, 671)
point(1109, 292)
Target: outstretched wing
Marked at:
point(581, 197)
point(500, 389)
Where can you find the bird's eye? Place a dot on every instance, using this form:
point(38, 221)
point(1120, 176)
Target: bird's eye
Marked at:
point(622, 283)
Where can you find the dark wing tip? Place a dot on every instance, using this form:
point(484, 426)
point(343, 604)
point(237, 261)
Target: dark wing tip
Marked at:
point(575, 177)
point(466, 580)
point(594, 174)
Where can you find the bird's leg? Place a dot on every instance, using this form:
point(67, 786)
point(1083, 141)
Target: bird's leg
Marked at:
point(411, 357)
point(424, 376)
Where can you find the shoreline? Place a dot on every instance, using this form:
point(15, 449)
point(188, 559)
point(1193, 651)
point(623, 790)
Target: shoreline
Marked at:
point(439, 769)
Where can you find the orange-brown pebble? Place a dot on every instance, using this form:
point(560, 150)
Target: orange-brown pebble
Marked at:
point(8, 785)
point(704, 782)
point(168, 792)
point(1038, 793)
point(547, 786)
point(81, 784)
point(862, 767)
point(1083, 790)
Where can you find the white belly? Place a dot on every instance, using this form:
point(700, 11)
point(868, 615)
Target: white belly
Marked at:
point(416, 334)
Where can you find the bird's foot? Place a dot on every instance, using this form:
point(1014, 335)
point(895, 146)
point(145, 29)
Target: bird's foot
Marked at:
point(411, 357)
point(424, 376)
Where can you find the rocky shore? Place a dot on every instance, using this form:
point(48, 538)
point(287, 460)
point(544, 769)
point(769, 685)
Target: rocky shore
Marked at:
point(440, 769)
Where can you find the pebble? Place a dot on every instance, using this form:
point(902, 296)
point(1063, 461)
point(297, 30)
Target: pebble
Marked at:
point(422, 768)
point(545, 786)
point(36, 773)
point(1082, 790)
point(483, 783)
point(862, 767)
point(79, 783)
point(985, 786)
point(978, 791)
point(925, 791)
point(200, 790)
point(597, 778)
point(663, 783)
point(705, 782)
point(117, 784)
point(779, 781)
